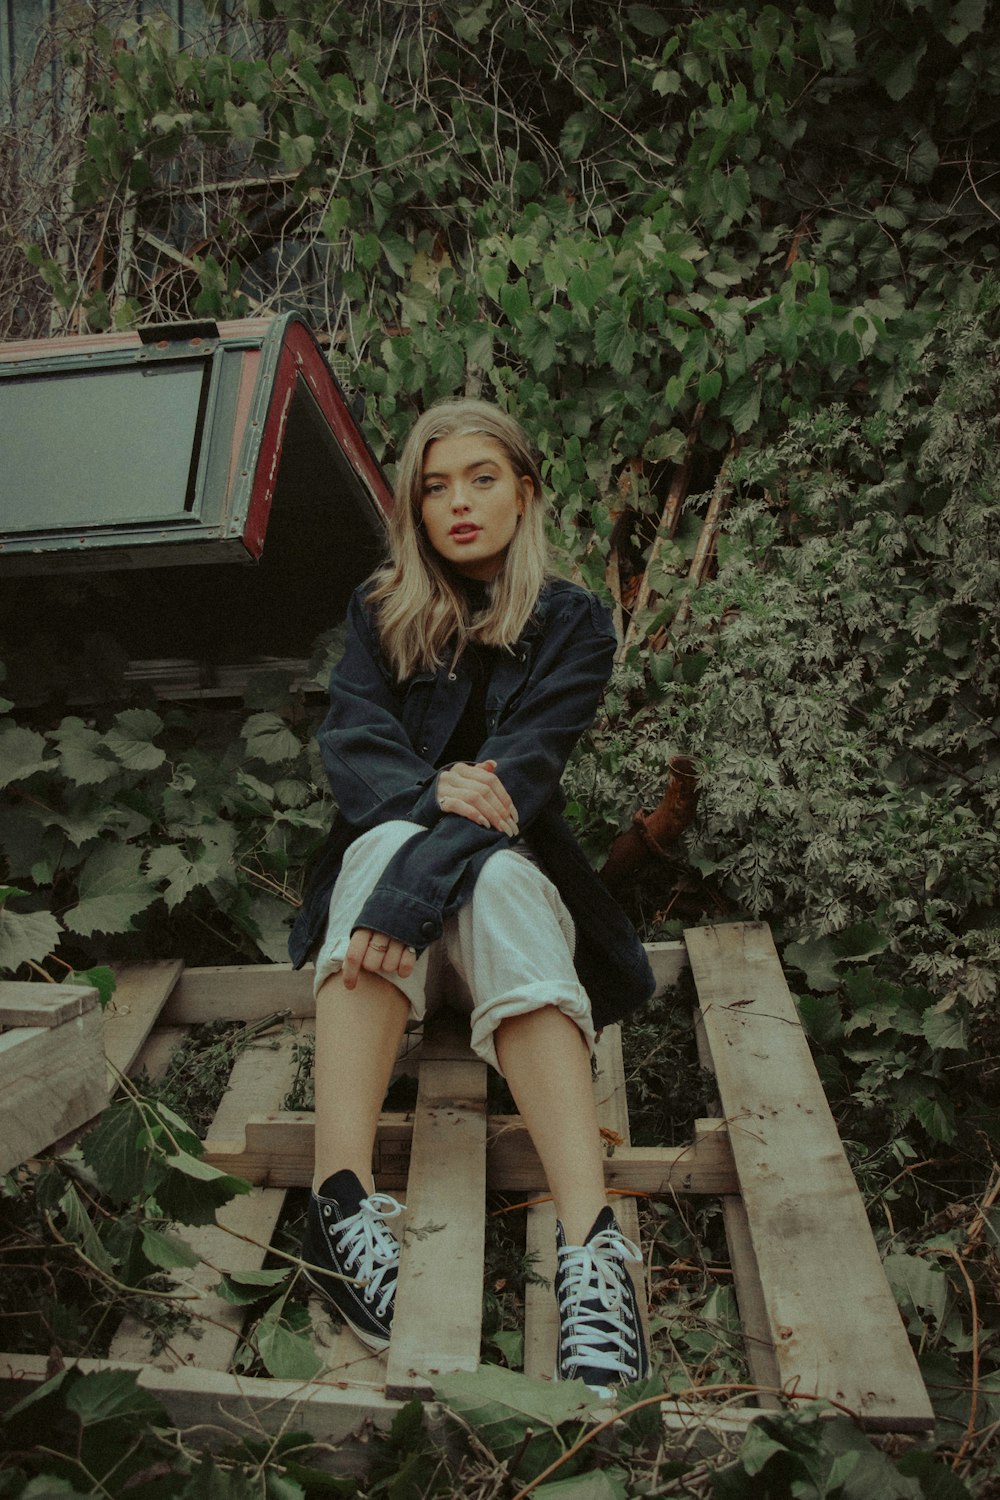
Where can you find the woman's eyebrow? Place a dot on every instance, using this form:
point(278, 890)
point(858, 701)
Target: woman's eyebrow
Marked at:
point(477, 463)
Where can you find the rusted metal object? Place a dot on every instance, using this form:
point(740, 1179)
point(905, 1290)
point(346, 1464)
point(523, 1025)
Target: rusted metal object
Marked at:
point(652, 833)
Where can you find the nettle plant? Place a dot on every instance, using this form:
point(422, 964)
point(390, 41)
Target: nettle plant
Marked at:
point(838, 683)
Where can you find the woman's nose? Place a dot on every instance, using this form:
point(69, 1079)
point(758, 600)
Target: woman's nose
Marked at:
point(459, 499)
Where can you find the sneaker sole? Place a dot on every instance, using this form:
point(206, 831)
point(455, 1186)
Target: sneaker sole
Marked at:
point(370, 1340)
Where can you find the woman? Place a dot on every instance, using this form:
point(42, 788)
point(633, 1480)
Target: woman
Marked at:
point(467, 678)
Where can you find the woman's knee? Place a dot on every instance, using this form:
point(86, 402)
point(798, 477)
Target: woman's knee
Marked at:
point(507, 874)
point(379, 844)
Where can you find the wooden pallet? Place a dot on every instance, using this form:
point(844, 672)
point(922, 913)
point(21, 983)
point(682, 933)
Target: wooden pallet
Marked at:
point(818, 1316)
point(52, 1073)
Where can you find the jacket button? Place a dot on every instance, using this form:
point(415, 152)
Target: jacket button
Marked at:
point(428, 929)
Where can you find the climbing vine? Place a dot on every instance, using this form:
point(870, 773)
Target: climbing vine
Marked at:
point(735, 268)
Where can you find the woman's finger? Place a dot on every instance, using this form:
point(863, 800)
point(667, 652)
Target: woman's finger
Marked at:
point(473, 792)
point(355, 955)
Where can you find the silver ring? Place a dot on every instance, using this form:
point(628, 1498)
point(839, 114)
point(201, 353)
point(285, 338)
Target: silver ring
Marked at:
point(380, 947)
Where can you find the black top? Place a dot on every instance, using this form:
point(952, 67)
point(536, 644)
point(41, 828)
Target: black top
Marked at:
point(479, 661)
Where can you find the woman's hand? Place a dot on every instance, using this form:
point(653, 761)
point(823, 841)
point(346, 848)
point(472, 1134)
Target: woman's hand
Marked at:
point(477, 793)
point(376, 953)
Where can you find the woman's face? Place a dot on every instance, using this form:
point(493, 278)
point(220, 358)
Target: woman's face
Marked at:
point(472, 502)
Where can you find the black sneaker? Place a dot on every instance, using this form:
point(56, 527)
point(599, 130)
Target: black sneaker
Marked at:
point(346, 1234)
point(600, 1334)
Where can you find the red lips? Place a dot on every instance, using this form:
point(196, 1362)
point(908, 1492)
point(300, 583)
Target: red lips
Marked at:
point(464, 529)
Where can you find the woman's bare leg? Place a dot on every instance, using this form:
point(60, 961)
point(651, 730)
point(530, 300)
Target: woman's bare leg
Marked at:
point(546, 1063)
point(358, 1032)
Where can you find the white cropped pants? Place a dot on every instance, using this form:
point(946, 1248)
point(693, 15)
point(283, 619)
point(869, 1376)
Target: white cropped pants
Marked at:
point(506, 952)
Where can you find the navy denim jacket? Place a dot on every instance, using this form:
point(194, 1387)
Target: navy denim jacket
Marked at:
point(380, 743)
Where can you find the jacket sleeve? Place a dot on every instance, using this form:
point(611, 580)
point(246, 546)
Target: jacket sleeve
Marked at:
point(429, 877)
point(374, 771)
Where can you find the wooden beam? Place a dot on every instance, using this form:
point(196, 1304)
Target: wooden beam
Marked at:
point(238, 1405)
point(133, 1011)
point(831, 1317)
point(439, 1299)
point(51, 1075)
point(240, 992)
point(278, 1150)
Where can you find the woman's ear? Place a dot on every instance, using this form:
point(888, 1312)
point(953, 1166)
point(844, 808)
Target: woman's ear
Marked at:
point(525, 492)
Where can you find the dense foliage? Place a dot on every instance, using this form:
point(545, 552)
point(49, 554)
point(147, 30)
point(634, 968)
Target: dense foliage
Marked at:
point(735, 267)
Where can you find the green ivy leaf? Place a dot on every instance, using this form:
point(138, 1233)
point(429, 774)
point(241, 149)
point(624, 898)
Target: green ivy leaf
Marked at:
point(515, 299)
point(648, 21)
point(130, 741)
point(587, 284)
point(100, 978)
point(614, 340)
point(502, 1404)
point(598, 1486)
point(173, 864)
point(22, 753)
point(26, 937)
point(191, 1190)
point(166, 1250)
point(83, 753)
point(120, 1154)
point(269, 738)
point(241, 1288)
point(918, 1284)
point(113, 891)
point(113, 1396)
point(947, 1030)
point(935, 1118)
point(286, 1355)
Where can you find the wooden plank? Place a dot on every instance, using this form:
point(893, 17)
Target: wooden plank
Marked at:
point(334, 1413)
point(278, 1150)
point(831, 1317)
point(156, 1052)
point(758, 1344)
point(668, 962)
point(133, 1011)
point(241, 992)
point(439, 1300)
point(26, 1004)
point(238, 1241)
point(541, 1316)
point(51, 1084)
point(612, 1115)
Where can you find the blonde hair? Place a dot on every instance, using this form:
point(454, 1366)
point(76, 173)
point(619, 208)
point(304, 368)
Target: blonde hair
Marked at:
point(420, 605)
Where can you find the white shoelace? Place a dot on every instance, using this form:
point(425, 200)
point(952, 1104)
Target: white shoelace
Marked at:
point(593, 1273)
point(368, 1249)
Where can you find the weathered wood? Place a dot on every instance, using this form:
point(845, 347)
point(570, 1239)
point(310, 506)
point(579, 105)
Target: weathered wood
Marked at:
point(758, 1344)
point(51, 1076)
point(241, 992)
point(25, 1004)
point(439, 1299)
point(541, 1316)
point(223, 1406)
point(278, 1150)
point(831, 1317)
point(612, 1116)
point(133, 1011)
point(155, 1054)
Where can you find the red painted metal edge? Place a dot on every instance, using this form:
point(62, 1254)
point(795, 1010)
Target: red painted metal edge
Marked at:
point(301, 356)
